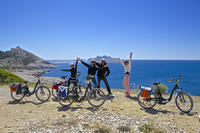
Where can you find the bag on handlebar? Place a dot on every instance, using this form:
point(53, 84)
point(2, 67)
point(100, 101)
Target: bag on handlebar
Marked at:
point(146, 92)
point(62, 92)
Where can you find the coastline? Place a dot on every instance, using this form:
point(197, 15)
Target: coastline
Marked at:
point(29, 75)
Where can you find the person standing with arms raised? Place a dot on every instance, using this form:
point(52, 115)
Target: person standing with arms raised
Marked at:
point(92, 69)
point(127, 70)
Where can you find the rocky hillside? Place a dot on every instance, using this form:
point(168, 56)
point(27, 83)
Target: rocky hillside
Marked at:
point(20, 58)
point(107, 58)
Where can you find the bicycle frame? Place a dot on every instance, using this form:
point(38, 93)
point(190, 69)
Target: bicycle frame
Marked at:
point(35, 87)
point(173, 90)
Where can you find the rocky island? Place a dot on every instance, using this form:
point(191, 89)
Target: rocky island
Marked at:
point(107, 58)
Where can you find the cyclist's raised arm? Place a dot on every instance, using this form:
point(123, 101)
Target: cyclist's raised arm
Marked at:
point(130, 59)
point(66, 70)
point(97, 64)
point(87, 65)
point(76, 65)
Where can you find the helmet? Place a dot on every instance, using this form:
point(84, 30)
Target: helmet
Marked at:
point(103, 59)
point(71, 64)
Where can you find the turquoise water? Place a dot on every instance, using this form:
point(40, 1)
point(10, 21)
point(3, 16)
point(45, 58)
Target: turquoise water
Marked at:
point(145, 72)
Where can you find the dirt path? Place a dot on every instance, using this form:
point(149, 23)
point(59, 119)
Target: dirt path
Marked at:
point(29, 115)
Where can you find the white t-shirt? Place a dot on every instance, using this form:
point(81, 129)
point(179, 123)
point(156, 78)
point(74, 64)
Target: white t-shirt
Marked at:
point(127, 68)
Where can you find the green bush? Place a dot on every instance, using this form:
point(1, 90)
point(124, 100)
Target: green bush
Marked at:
point(7, 77)
point(161, 87)
point(149, 128)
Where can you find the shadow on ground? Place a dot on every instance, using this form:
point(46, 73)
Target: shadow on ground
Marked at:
point(73, 109)
point(133, 98)
point(155, 111)
point(25, 102)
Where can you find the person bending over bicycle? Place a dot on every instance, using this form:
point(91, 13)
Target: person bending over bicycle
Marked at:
point(92, 69)
point(73, 71)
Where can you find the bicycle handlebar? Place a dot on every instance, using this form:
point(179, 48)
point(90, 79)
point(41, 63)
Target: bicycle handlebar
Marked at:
point(173, 79)
point(40, 74)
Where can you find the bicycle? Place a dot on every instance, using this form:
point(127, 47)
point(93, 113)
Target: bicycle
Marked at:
point(74, 91)
point(42, 92)
point(183, 100)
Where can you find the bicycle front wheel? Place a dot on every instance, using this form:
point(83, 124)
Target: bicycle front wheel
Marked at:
point(81, 91)
point(43, 93)
point(96, 98)
point(184, 102)
point(147, 103)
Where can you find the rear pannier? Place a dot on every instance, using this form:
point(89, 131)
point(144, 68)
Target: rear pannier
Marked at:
point(15, 87)
point(146, 92)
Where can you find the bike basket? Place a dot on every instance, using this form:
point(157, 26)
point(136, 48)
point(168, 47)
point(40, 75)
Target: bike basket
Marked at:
point(145, 92)
point(15, 87)
point(56, 85)
point(62, 91)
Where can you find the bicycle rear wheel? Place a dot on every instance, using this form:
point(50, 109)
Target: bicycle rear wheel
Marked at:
point(184, 102)
point(96, 98)
point(147, 103)
point(43, 93)
point(54, 93)
point(17, 96)
point(66, 101)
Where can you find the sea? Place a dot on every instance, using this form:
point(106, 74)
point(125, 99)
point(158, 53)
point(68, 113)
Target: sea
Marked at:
point(144, 73)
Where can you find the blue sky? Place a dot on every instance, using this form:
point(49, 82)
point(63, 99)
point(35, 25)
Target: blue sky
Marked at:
point(65, 29)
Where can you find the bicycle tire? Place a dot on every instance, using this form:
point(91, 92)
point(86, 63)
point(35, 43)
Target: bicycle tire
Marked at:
point(37, 93)
point(67, 97)
point(190, 99)
point(89, 96)
point(142, 103)
point(16, 99)
point(54, 93)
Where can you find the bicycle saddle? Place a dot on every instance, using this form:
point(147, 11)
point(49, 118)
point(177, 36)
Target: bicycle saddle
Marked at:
point(156, 83)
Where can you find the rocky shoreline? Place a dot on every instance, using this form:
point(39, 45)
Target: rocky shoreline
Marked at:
point(29, 75)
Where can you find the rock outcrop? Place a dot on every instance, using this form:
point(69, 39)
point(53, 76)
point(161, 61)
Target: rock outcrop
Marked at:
point(20, 58)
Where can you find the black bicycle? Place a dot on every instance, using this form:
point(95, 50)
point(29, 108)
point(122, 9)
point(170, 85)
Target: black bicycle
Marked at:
point(183, 100)
point(74, 91)
point(42, 92)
